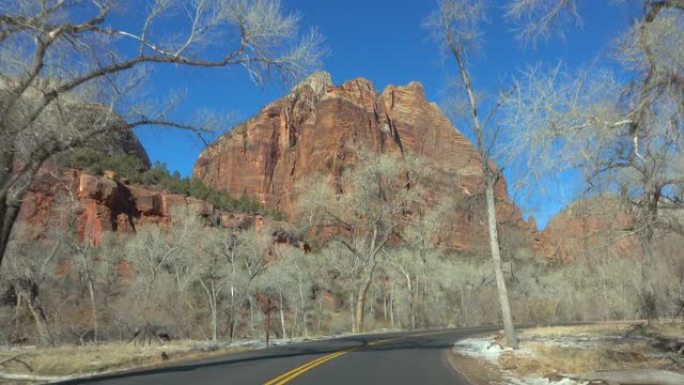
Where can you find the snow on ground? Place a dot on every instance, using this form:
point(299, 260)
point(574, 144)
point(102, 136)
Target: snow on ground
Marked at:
point(488, 350)
point(484, 348)
point(540, 381)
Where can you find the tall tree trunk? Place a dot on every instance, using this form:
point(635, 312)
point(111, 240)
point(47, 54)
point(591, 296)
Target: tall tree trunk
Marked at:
point(363, 293)
point(648, 292)
point(305, 318)
point(391, 306)
point(232, 312)
point(384, 306)
point(214, 318)
point(360, 308)
point(489, 179)
point(351, 312)
point(17, 309)
point(412, 302)
point(93, 307)
point(509, 332)
point(8, 215)
point(320, 312)
point(282, 315)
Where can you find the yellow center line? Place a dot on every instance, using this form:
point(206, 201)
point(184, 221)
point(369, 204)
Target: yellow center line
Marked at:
point(298, 371)
point(305, 366)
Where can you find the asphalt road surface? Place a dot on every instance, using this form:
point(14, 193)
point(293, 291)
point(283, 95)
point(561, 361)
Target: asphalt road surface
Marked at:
point(393, 358)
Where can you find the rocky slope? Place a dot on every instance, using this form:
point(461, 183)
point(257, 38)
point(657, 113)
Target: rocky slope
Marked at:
point(316, 129)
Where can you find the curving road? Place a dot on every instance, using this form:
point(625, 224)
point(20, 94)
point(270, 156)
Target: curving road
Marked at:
point(392, 358)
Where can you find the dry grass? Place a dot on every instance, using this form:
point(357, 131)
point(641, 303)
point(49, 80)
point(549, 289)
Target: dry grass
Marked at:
point(547, 359)
point(75, 359)
point(545, 351)
point(668, 330)
point(475, 371)
point(578, 330)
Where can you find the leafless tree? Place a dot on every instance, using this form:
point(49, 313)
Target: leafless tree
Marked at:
point(68, 69)
point(540, 19)
point(626, 136)
point(456, 25)
point(364, 216)
point(245, 255)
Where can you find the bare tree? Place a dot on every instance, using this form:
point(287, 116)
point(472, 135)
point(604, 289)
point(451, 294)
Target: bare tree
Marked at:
point(29, 269)
point(246, 256)
point(55, 55)
point(456, 26)
point(626, 136)
point(419, 232)
point(363, 217)
point(540, 19)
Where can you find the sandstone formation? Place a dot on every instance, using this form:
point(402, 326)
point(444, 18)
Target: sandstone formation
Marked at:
point(92, 205)
point(587, 229)
point(602, 227)
point(316, 128)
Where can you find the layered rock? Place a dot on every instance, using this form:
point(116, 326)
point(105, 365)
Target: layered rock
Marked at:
point(317, 127)
point(93, 205)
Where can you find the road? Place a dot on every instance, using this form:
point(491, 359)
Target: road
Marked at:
point(392, 358)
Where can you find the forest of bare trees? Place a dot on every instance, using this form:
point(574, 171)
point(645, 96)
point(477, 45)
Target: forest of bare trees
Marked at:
point(195, 281)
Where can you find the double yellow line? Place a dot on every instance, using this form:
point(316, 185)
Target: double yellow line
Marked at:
point(298, 371)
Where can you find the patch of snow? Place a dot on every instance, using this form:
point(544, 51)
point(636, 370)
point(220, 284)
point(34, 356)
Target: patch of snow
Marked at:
point(484, 348)
point(487, 349)
point(540, 381)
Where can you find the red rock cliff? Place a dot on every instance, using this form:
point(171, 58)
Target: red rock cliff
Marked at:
point(312, 129)
point(100, 204)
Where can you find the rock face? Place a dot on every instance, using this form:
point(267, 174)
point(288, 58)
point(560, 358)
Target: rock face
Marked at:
point(316, 128)
point(603, 226)
point(100, 204)
point(588, 228)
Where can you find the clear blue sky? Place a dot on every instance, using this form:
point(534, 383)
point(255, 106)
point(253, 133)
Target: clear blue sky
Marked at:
point(382, 40)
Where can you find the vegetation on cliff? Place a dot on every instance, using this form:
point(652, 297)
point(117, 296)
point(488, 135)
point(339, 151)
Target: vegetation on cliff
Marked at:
point(132, 169)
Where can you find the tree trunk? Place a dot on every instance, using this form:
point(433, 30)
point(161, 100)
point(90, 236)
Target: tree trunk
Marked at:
point(214, 322)
point(391, 306)
point(648, 291)
point(40, 320)
point(384, 306)
point(351, 311)
point(509, 332)
point(489, 179)
point(412, 304)
point(361, 304)
point(93, 307)
point(320, 312)
point(8, 215)
point(282, 315)
point(232, 312)
point(302, 301)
